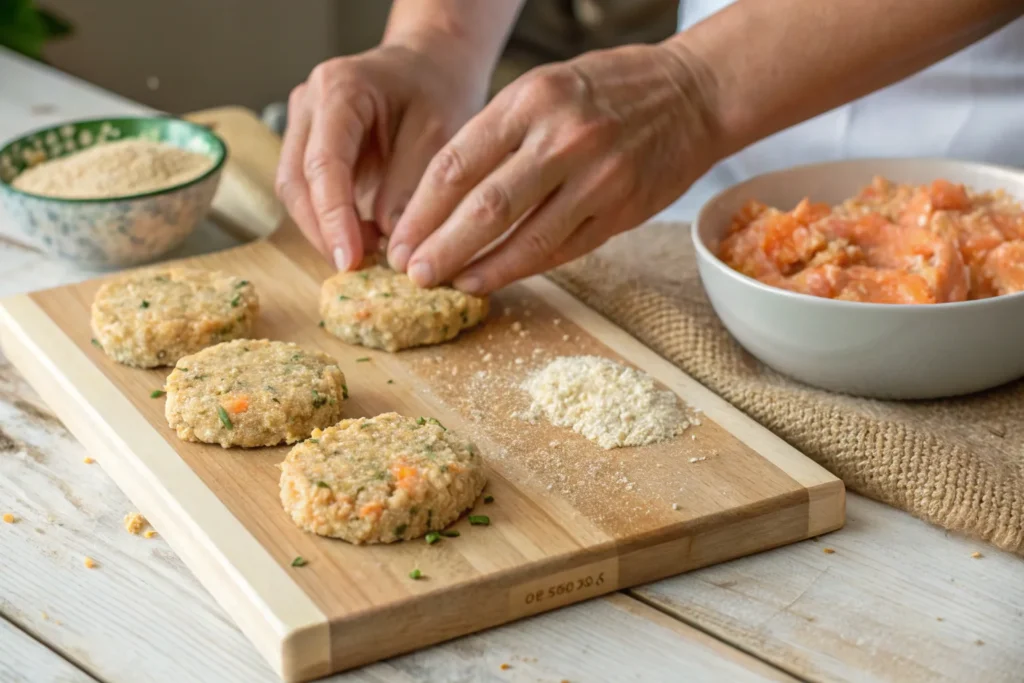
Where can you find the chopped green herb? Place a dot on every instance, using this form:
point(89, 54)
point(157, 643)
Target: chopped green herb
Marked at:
point(274, 399)
point(297, 356)
point(450, 533)
point(299, 561)
point(318, 400)
point(380, 475)
point(321, 323)
point(144, 304)
point(366, 425)
point(344, 391)
point(183, 369)
point(384, 295)
point(96, 343)
point(224, 419)
point(160, 278)
point(421, 420)
point(342, 297)
point(237, 300)
point(400, 529)
point(488, 499)
point(391, 381)
point(322, 484)
point(311, 440)
point(479, 520)
point(434, 421)
point(415, 574)
point(242, 283)
point(432, 538)
point(364, 275)
point(157, 393)
point(413, 510)
point(443, 468)
point(364, 359)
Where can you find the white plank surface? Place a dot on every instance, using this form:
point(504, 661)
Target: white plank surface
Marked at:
point(898, 600)
point(140, 615)
point(25, 660)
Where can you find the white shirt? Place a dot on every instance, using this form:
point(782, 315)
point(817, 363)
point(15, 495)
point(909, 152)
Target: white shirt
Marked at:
point(969, 106)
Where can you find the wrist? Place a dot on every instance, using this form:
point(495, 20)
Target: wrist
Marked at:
point(699, 88)
point(456, 56)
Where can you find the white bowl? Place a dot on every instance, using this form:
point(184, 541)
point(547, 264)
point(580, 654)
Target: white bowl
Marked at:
point(878, 350)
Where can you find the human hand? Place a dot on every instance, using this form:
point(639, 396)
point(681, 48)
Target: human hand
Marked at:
point(361, 131)
point(567, 156)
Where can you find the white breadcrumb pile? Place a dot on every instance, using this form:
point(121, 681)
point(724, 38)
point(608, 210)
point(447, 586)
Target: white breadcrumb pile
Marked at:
point(607, 402)
point(134, 523)
point(114, 169)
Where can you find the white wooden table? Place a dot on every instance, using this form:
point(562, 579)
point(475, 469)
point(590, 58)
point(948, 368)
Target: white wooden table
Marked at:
point(897, 601)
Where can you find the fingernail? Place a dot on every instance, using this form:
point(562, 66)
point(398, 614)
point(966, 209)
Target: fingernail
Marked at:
point(340, 259)
point(398, 257)
point(421, 274)
point(470, 284)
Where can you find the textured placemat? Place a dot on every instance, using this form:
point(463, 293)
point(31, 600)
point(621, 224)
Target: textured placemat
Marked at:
point(957, 463)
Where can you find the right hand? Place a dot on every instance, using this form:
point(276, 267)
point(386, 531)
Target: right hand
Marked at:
point(361, 130)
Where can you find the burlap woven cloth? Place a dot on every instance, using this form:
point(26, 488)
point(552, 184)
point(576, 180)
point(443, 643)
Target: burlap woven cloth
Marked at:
point(958, 463)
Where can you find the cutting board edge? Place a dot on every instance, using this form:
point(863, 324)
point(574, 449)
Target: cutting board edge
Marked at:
point(283, 623)
point(758, 528)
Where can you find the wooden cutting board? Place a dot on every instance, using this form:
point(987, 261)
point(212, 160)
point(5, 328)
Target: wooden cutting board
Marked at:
point(569, 520)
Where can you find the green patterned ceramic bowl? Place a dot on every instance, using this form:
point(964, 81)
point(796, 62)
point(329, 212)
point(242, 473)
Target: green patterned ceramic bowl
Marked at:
point(110, 232)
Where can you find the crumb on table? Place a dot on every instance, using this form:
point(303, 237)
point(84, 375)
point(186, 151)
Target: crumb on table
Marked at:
point(87, 460)
point(134, 523)
point(828, 551)
point(976, 555)
point(9, 518)
point(149, 533)
point(505, 667)
point(89, 563)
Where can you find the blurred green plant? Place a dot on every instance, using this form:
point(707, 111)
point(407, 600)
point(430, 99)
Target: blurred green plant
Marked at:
point(26, 28)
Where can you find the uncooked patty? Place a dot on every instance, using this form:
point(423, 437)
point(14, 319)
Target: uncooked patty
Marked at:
point(253, 393)
point(381, 479)
point(153, 317)
point(382, 309)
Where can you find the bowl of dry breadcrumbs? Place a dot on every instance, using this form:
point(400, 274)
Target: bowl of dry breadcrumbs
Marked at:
point(109, 193)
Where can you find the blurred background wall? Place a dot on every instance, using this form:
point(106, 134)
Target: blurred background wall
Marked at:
point(182, 55)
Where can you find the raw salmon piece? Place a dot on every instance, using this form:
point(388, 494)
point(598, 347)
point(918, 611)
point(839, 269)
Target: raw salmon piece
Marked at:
point(947, 196)
point(824, 281)
point(1004, 268)
point(789, 244)
point(885, 286)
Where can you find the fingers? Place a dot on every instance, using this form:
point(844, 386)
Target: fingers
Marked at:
point(555, 232)
point(290, 183)
point(468, 158)
point(340, 122)
point(415, 145)
point(487, 213)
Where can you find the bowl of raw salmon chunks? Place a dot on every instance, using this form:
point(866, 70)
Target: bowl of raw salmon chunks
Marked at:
point(884, 278)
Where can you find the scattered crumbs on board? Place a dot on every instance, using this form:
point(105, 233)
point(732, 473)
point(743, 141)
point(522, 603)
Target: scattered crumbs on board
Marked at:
point(148, 533)
point(87, 460)
point(505, 666)
point(486, 391)
point(89, 563)
point(977, 555)
point(828, 551)
point(9, 518)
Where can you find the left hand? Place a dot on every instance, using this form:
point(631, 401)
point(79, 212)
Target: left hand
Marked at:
point(568, 155)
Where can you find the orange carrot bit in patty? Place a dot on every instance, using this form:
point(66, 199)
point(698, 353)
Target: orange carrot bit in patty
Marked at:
point(237, 404)
point(371, 510)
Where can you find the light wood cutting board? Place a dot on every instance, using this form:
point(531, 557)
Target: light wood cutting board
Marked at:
point(569, 520)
